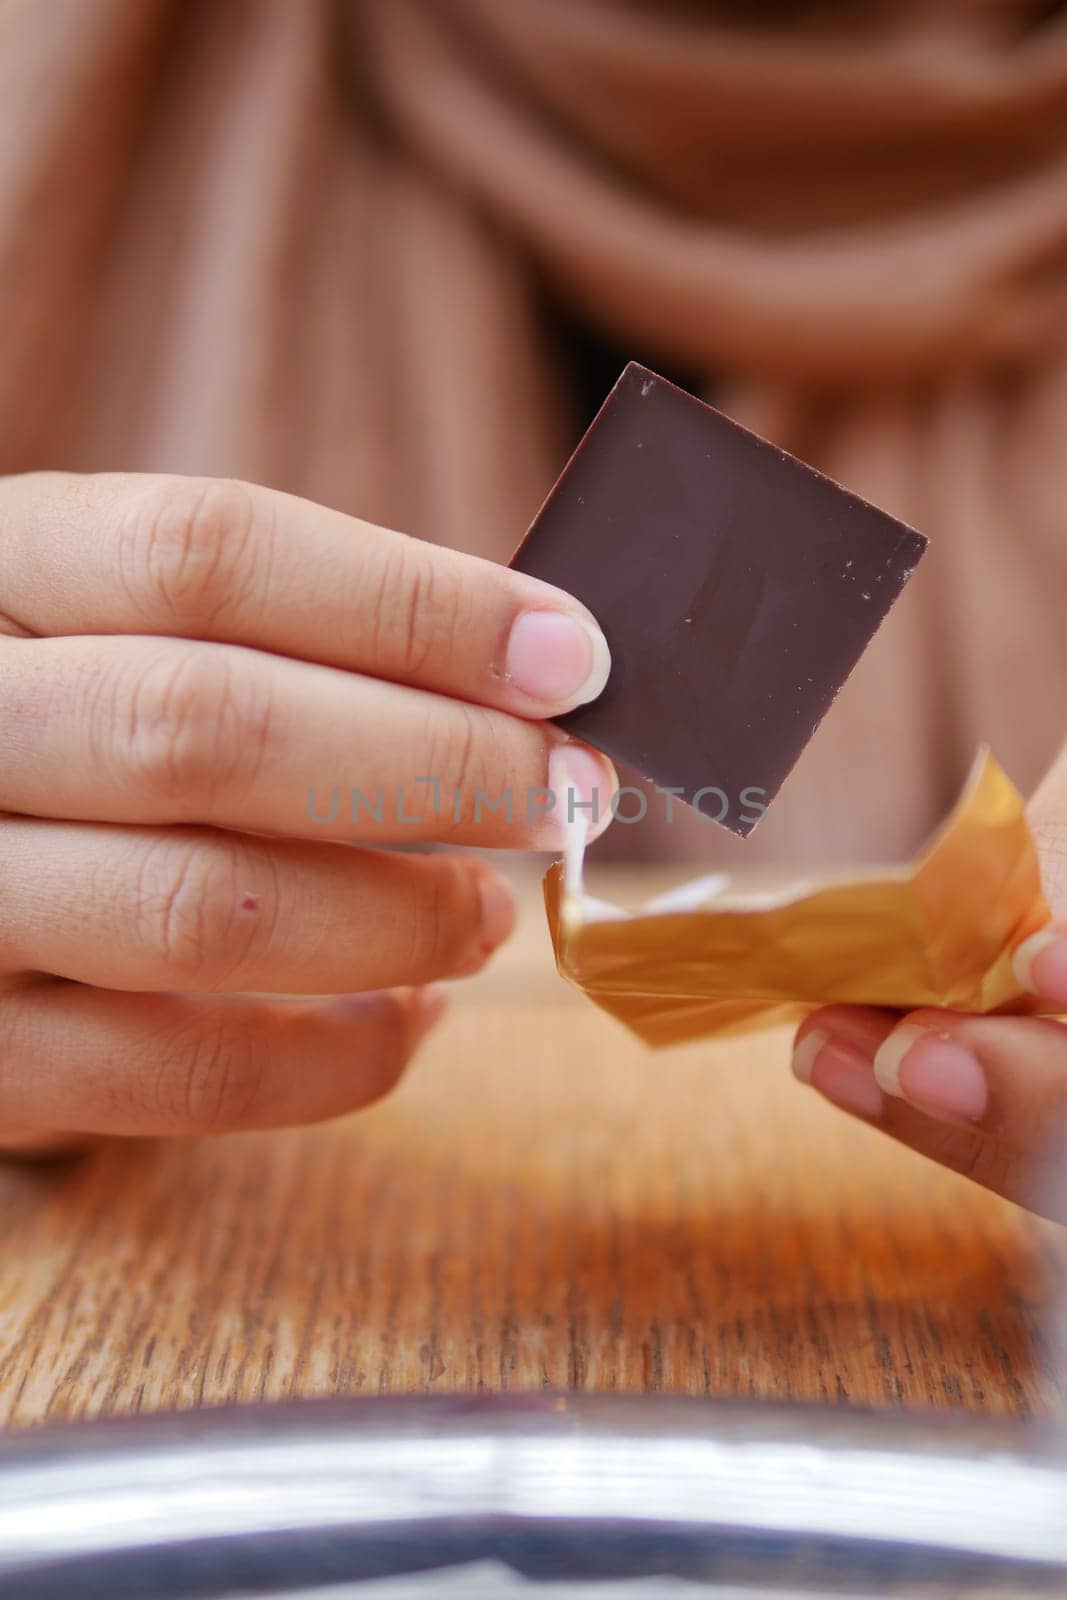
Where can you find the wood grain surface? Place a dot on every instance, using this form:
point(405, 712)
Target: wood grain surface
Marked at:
point(542, 1203)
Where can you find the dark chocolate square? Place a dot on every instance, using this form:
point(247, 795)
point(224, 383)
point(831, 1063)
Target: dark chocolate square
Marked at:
point(737, 588)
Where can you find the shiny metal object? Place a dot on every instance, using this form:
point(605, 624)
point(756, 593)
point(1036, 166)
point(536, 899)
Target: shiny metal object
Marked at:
point(556, 1495)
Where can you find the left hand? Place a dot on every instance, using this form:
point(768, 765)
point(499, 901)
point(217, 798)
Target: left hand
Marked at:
point(986, 1096)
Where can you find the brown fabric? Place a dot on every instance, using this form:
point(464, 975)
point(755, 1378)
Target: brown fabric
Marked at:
point(309, 243)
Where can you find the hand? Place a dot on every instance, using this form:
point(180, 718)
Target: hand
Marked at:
point(189, 671)
point(984, 1095)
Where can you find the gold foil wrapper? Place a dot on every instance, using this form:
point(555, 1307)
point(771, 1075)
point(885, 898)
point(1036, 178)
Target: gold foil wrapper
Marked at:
point(716, 956)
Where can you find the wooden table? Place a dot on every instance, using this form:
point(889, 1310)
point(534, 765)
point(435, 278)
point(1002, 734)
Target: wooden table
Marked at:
point(542, 1203)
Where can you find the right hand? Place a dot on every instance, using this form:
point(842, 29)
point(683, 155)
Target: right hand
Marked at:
point(181, 662)
point(984, 1095)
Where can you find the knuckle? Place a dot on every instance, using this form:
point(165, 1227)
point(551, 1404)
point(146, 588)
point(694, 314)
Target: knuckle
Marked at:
point(192, 906)
point(463, 753)
point(446, 914)
point(196, 725)
point(415, 608)
point(212, 1077)
point(187, 549)
point(993, 1163)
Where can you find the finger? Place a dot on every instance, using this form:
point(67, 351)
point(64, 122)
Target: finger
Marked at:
point(196, 908)
point(986, 1096)
point(86, 1060)
point(1005, 1075)
point(209, 559)
point(23, 1144)
point(1040, 964)
point(167, 730)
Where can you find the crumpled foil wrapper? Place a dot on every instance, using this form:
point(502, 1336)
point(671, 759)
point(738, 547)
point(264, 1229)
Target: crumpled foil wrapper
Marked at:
point(715, 957)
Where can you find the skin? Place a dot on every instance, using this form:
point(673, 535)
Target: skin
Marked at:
point(180, 660)
point(998, 1114)
point(184, 949)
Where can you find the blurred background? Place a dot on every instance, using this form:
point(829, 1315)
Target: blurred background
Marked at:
point(390, 255)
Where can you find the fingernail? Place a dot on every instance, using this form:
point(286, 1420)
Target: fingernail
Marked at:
point(805, 1051)
point(558, 659)
point(840, 1071)
point(428, 1005)
point(1040, 964)
point(498, 907)
point(932, 1073)
point(583, 783)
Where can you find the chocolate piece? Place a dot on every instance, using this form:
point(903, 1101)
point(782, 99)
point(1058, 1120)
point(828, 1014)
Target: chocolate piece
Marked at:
point(736, 586)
